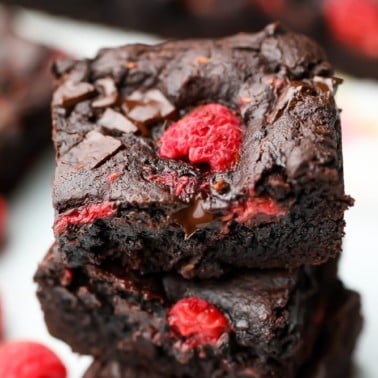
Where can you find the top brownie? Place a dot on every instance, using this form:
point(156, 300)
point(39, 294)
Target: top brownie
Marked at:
point(200, 155)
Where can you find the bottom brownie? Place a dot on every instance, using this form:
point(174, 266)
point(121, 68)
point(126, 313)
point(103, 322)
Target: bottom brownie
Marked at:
point(331, 357)
point(267, 321)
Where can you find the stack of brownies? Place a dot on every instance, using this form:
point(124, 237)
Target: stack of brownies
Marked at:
point(200, 206)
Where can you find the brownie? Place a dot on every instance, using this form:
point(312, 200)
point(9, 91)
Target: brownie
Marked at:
point(331, 357)
point(171, 18)
point(254, 317)
point(197, 156)
point(347, 29)
point(25, 93)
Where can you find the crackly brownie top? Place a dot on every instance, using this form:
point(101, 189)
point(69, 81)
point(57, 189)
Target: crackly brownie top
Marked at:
point(25, 81)
point(217, 121)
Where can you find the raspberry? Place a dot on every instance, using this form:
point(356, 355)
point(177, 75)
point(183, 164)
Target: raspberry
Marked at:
point(2, 220)
point(85, 214)
point(23, 359)
point(209, 134)
point(199, 321)
point(178, 185)
point(256, 205)
point(114, 176)
point(354, 23)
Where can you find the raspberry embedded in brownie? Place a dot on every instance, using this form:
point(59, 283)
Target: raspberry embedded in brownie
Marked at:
point(245, 318)
point(197, 321)
point(232, 141)
point(209, 134)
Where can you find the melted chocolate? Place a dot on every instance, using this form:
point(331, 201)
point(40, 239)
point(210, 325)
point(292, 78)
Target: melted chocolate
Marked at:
point(193, 217)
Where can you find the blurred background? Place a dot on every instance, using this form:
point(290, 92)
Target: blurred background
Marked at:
point(42, 30)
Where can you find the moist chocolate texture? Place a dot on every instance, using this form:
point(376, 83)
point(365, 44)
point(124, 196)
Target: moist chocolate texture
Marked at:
point(330, 358)
point(25, 91)
point(275, 317)
point(109, 115)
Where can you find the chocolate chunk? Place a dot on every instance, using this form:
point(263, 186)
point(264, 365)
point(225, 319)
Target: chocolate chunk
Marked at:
point(165, 107)
point(116, 121)
point(110, 93)
point(93, 150)
point(143, 113)
point(329, 84)
point(147, 107)
point(284, 100)
point(70, 93)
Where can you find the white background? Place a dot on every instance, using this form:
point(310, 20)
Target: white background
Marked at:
point(31, 214)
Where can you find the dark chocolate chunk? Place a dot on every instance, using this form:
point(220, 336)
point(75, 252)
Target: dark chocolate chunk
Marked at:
point(93, 150)
point(71, 93)
point(147, 107)
point(116, 121)
point(109, 93)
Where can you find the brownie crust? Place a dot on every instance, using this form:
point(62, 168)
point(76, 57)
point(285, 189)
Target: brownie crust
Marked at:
point(279, 84)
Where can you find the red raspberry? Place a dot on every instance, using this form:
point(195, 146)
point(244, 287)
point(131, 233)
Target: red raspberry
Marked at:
point(2, 220)
point(209, 134)
point(85, 214)
point(256, 205)
point(23, 359)
point(354, 23)
point(198, 320)
point(178, 185)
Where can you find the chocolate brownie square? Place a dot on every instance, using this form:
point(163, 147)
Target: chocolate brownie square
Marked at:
point(331, 357)
point(261, 320)
point(197, 156)
point(25, 93)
